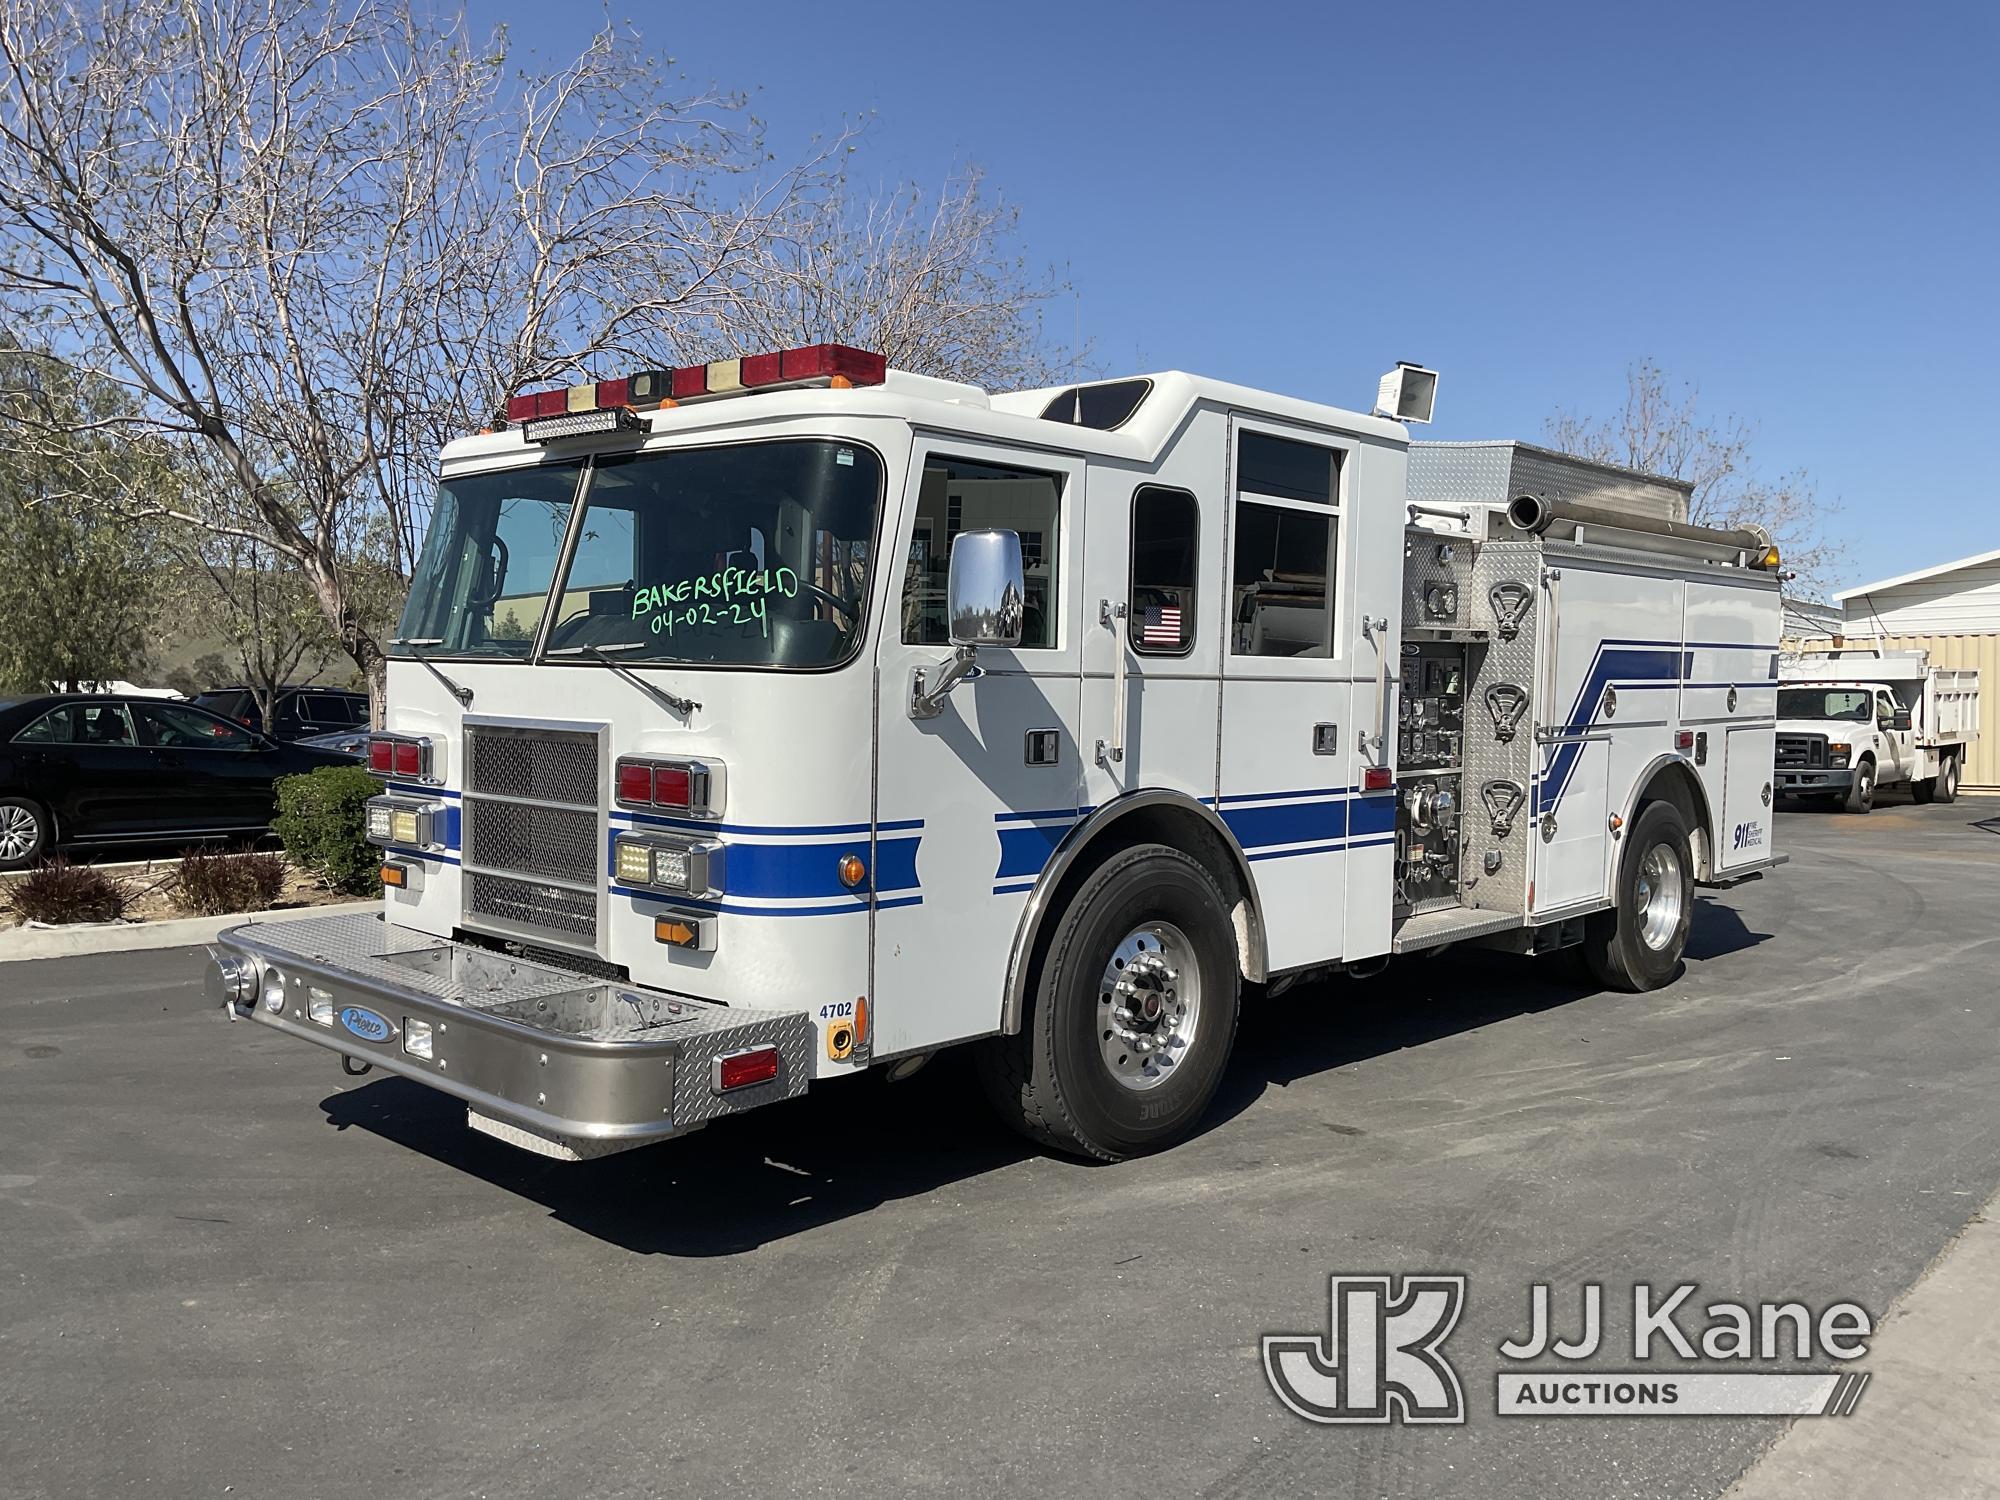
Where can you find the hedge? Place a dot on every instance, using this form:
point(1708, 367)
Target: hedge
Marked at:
point(322, 820)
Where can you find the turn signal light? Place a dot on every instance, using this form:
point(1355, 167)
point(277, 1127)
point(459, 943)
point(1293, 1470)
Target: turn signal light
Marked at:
point(739, 1070)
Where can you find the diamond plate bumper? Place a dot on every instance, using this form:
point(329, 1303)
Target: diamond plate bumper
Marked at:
point(580, 1066)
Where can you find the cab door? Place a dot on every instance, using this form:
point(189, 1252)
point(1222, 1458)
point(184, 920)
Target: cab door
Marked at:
point(992, 782)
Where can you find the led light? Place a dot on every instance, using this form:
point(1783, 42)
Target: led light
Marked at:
point(405, 825)
point(762, 369)
point(319, 1005)
point(724, 376)
point(378, 821)
point(417, 1037)
point(274, 991)
point(635, 862)
point(1377, 779)
point(1684, 740)
point(837, 361)
point(739, 1070)
point(635, 782)
point(673, 786)
point(670, 867)
point(549, 429)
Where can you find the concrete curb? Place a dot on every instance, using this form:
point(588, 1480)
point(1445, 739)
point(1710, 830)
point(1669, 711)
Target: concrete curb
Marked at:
point(24, 943)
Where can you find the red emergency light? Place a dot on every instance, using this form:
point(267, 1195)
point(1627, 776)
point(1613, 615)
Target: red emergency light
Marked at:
point(837, 365)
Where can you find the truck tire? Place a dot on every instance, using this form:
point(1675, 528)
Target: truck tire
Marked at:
point(1132, 1014)
point(1947, 782)
point(1861, 791)
point(24, 833)
point(1636, 945)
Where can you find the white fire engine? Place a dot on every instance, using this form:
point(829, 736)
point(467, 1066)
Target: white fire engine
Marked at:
point(755, 723)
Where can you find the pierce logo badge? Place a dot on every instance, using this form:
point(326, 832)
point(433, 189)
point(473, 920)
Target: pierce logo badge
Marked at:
point(364, 1023)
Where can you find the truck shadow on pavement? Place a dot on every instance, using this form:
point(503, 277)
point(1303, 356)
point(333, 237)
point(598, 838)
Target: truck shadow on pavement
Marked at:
point(791, 1168)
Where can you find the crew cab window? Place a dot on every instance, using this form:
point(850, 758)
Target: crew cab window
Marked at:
point(1166, 528)
point(174, 726)
point(1287, 540)
point(80, 724)
point(959, 495)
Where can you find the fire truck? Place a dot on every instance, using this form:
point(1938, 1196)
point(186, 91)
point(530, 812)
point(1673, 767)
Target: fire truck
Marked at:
point(757, 723)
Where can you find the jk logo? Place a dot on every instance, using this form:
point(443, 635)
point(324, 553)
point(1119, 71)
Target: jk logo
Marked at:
point(1380, 1362)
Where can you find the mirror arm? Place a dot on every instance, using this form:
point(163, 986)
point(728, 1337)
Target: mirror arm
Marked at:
point(928, 702)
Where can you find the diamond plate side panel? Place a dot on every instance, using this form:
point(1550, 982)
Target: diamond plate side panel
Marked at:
point(1487, 757)
point(795, 1035)
point(1433, 562)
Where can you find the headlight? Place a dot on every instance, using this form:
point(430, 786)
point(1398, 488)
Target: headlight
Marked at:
point(405, 825)
point(670, 868)
point(378, 822)
point(635, 862)
point(1836, 754)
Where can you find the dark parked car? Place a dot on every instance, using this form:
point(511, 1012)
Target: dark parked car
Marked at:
point(78, 770)
point(301, 712)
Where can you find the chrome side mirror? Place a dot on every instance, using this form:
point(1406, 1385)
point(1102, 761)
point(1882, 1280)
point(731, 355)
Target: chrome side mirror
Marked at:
point(986, 589)
point(985, 600)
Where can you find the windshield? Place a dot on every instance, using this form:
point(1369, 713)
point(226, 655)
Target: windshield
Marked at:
point(753, 554)
point(1824, 703)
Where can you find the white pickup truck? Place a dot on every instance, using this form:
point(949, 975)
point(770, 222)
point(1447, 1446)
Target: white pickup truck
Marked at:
point(1853, 720)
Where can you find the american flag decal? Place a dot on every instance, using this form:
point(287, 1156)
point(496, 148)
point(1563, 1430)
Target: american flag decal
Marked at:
point(1161, 626)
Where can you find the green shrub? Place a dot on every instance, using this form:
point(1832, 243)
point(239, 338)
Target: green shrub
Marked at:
point(62, 892)
point(212, 883)
point(322, 820)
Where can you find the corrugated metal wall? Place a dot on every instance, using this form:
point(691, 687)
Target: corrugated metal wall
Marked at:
point(1965, 601)
point(1981, 771)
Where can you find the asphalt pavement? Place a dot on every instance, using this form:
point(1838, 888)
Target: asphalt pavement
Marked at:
point(227, 1269)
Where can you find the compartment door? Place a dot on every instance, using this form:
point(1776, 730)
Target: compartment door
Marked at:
point(1744, 834)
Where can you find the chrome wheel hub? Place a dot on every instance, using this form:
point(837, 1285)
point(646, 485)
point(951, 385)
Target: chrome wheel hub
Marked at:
point(1657, 900)
point(18, 832)
point(1148, 1005)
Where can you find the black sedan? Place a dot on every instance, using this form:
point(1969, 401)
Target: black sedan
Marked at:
point(78, 770)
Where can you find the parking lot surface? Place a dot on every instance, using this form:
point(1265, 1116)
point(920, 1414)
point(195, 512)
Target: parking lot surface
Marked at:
point(226, 1268)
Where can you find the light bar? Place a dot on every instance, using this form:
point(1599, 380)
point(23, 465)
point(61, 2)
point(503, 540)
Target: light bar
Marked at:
point(609, 405)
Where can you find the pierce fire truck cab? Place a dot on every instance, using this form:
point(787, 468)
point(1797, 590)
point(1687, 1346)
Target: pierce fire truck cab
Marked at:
point(754, 724)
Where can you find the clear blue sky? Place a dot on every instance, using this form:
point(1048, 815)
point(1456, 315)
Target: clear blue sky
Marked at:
point(1795, 206)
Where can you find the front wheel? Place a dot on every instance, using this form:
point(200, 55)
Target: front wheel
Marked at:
point(1133, 1013)
point(1861, 791)
point(1637, 944)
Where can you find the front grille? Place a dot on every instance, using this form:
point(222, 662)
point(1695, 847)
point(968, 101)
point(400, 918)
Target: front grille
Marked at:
point(1801, 752)
point(559, 842)
point(550, 765)
point(534, 845)
point(550, 908)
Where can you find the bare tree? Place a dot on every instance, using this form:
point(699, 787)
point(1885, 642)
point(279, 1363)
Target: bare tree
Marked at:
point(1664, 432)
point(237, 590)
point(317, 238)
point(934, 281)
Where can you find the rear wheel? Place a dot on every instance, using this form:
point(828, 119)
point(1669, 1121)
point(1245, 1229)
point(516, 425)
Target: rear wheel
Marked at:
point(1861, 791)
point(1947, 782)
point(1133, 1013)
point(1637, 944)
point(24, 833)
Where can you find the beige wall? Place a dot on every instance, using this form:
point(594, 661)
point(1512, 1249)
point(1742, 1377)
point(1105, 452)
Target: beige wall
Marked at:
point(1981, 771)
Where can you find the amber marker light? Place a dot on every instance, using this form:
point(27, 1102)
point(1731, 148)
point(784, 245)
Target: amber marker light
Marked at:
point(853, 870)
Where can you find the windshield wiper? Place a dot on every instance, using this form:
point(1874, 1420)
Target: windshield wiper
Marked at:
point(415, 647)
point(680, 705)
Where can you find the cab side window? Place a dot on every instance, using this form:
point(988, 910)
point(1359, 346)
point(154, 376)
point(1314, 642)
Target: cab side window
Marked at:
point(52, 728)
point(1287, 540)
point(1166, 527)
point(960, 495)
point(171, 726)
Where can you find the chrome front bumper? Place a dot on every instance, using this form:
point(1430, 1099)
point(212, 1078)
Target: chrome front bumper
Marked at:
point(560, 1063)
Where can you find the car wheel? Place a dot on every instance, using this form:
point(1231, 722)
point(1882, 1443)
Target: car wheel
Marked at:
point(24, 833)
point(1947, 787)
point(1133, 1014)
point(1637, 944)
point(1861, 791)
